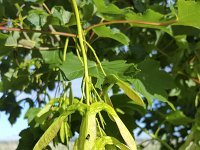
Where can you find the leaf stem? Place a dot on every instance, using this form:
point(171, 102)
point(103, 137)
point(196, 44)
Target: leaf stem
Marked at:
point(131, 22)
point(84, 53)
point(97, 59)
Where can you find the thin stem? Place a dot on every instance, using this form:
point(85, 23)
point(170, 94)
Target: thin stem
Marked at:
point(46, 7)
point(98, 125)
point(79, 57)
point(95, 91)
point(131, 22)
point(65, 49)
point(38, 31)
point(81, 39)
point(77, 51)
point(97, 59)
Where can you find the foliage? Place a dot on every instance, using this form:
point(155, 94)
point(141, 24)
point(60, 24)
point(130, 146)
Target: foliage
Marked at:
point(138, 60)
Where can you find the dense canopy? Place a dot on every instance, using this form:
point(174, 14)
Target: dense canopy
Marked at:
point(139, 61)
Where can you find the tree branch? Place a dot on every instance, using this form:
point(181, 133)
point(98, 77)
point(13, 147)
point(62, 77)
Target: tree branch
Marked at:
point(131, 22)
point(38, 31)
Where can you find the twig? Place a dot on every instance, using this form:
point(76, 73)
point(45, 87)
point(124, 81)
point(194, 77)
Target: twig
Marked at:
point(38, 31)
point(131, 22)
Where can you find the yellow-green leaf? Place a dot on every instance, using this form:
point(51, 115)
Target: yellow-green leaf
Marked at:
point(132, 94)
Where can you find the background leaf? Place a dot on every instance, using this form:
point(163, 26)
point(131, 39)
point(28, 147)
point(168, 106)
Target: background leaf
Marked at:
point(188, 11)
point(178, 118)
point(113, 33)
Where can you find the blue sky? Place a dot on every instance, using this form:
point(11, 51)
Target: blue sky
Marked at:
point(10, 132)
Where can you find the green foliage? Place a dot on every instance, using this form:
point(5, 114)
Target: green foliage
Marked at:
point(138, 60)
point(178, 118)
point(111, 33)
point(185, 16)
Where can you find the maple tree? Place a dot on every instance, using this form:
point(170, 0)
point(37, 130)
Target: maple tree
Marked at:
point(138, 60)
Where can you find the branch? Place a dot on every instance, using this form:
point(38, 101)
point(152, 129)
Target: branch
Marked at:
point(132, 22)
point(38, 31)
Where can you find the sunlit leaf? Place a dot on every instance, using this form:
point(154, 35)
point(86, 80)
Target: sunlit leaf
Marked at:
point(114, 33)
point(188, 12)
point(107, 8)
point(148, 16)
point(132, 94)
point(152, 82)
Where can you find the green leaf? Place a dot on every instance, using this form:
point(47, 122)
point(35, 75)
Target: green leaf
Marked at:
point(61, 14)
point(140, 87)
point(9, 104)
point(88, 10)
point(27, 138)
point(188, 12)
point(108, 8)
point(149, 16)
point(178, 118)
point(120, 68)
point(51, 57)
point(73, 68)
point(12, 39)
point(113, 33)
point(123, 103)
point(31, 114)
point(4, 50)
point(152, 82)
point(112, 79)
point(37, 17)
